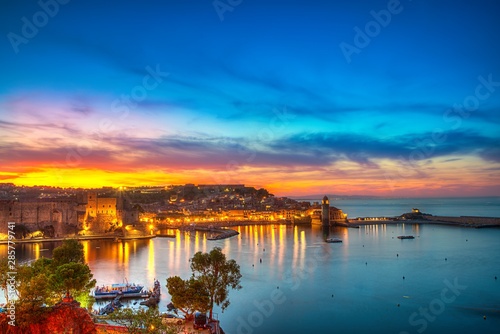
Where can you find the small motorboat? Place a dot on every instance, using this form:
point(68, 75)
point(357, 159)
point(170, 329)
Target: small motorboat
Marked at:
point(333, 240)
point(406, 237)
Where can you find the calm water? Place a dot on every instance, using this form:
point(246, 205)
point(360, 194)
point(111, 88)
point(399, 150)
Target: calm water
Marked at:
point(378, 207)
point(364, 275)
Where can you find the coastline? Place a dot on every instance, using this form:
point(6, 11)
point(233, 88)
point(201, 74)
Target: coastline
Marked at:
point(462, 221)
point(86, 237)
point(222, 228)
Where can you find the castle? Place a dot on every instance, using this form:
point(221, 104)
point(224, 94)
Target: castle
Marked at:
point(58, 217)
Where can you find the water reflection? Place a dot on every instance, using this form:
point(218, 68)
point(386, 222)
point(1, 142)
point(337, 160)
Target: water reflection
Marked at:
point(314, 266)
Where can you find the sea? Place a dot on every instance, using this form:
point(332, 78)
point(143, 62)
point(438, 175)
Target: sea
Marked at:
point(391, 207)
point(445, 280)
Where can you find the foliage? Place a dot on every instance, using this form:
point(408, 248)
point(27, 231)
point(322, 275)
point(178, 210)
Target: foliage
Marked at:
point(49, 231)
point(188, 295)
point(34, 293)
point(4, 269)
point(27, 314)
point(141, 321)
point(217, 275)
point(21, 231)
point(72, 277)
point(42, 282)
point(42, 265)
point(70, 251)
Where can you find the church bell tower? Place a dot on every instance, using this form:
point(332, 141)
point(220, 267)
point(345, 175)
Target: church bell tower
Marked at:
point(325, 211)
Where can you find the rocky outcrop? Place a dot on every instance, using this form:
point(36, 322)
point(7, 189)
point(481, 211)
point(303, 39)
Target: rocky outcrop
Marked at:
point(65, 317)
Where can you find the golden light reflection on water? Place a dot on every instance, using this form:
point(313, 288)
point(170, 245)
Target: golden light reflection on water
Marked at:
point(196, 241)
point(37, 250)
point(282, 245)
point(273, 245)
point(85, 250)
point(187, 244)
point(177, 251)
point(295, 243)
point(126, 252)
point(302, 245)
point(151, 260)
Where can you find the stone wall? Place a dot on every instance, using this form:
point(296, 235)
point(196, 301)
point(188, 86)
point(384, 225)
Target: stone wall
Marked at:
point(40, 214)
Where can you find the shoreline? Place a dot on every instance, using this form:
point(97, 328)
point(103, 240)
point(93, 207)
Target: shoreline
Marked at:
point(87, 237)
point(463, 221)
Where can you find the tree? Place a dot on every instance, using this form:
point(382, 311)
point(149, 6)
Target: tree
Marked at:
point(41, 283)
point(141, 321)
point(217, 274)
point(72, 277)
point(70, 251)
point(4, 269)
point(34, 293)
point(188, 295)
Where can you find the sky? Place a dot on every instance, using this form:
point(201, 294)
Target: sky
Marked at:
point(385, 98)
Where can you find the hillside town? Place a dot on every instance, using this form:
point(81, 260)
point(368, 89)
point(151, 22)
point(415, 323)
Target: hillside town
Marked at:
point(41, 211)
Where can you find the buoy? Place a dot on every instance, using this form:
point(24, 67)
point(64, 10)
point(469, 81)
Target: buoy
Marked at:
point(366, 263)
point(484, 317)
point(495, 277)
point(277, 287)
point(398, 305)
point(260, 260)
point(403, 277)
point(397, 255)
point(332, 296)
point(446, 259)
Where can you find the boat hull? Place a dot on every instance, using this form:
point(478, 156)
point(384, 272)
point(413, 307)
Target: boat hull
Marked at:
point(122, 295)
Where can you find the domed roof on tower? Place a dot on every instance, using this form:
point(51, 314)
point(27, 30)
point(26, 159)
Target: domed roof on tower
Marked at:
point(325, 200)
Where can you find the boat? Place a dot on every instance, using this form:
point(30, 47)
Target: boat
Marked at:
point(123, 290)
point(333, 240)
point(406, 237)
point(154, 296)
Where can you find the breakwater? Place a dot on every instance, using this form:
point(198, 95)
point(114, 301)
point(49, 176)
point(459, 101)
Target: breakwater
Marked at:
point(216, 232)
point(467, 221)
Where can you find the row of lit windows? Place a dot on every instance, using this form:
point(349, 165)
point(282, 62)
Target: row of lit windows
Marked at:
point(102, 206)
point(107, 211)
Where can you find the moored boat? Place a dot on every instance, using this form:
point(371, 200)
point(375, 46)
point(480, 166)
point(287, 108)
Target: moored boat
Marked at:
point(406, 237)
point(124, 290)
point(333, 240)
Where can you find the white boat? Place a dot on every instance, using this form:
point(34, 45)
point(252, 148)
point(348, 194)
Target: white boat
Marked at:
point(333, 240)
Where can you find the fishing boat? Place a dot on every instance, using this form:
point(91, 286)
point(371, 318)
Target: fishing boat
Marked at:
point(123, 290)
point(333, 240)
point(406, 237)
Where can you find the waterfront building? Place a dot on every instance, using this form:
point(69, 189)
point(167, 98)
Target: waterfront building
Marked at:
point(325, 214)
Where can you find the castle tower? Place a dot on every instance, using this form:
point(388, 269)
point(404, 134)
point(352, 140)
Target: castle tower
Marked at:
point(325, 211)
point(92, 204)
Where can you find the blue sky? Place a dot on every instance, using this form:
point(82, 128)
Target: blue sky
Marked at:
point(264, 96)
